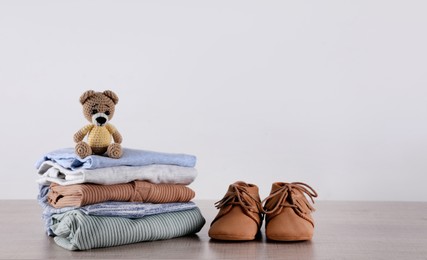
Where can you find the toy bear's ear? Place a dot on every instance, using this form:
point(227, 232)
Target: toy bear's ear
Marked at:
point(112, 96)
point(86, 95)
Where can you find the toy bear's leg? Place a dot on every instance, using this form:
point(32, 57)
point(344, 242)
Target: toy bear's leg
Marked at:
point(83, 150)
point(114, 150)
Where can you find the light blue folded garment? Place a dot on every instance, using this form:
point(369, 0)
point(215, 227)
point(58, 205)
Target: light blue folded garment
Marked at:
point(109, 208)
point(67, 158)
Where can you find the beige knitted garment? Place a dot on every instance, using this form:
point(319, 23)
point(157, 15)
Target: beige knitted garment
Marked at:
point(137, 191)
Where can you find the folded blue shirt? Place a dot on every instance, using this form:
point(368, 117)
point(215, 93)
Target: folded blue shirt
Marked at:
point(67, 158)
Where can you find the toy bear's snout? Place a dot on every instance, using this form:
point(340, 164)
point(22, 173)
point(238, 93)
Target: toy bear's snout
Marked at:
point(99, 119)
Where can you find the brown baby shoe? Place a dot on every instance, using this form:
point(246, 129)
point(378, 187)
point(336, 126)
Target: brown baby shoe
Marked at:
point(240, 213)
point(288, 212)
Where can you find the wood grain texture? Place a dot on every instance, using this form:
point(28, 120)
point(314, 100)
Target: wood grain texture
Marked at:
point(344, 230)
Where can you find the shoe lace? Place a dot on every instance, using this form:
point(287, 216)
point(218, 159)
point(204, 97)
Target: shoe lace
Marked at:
point(240, 196)
point(287, 200)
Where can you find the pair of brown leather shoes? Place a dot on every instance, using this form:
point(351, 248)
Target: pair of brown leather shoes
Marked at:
point(287, 213)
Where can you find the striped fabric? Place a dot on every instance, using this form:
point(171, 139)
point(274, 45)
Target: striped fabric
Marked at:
point(137, 191)
point(77, 231)
point(109, 208)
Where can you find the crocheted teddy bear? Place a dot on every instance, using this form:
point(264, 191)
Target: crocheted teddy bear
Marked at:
point(98, 108)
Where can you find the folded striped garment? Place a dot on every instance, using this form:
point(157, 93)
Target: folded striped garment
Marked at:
point(137, 191)
point(67, 158)
point(50, 171)
point(76, 231)
point(109, 208)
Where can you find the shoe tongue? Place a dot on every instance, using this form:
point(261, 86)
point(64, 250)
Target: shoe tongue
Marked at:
point(231, 188)
point(245, 185)
point(277, 185)
point(241, 184)
point(292, 193)
point(250, 188)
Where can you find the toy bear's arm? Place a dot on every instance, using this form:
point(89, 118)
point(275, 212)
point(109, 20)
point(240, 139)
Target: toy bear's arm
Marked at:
point(117, 137)
point(82, 133)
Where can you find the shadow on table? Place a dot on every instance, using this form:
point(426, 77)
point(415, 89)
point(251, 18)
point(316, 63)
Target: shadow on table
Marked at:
point(261, 248)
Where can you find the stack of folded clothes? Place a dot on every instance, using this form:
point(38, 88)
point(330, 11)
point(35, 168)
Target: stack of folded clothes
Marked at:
point(100, 202)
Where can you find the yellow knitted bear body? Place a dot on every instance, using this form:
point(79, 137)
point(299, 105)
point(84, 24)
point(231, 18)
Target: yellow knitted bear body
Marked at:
point(100, 136)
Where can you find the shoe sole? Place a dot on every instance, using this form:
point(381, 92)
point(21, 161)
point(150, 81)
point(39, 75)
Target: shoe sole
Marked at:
point(289, 239)
point(231, 238)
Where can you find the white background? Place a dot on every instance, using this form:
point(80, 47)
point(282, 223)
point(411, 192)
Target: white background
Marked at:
point(332, 93)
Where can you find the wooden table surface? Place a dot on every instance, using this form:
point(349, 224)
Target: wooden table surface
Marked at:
point(344, 230)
